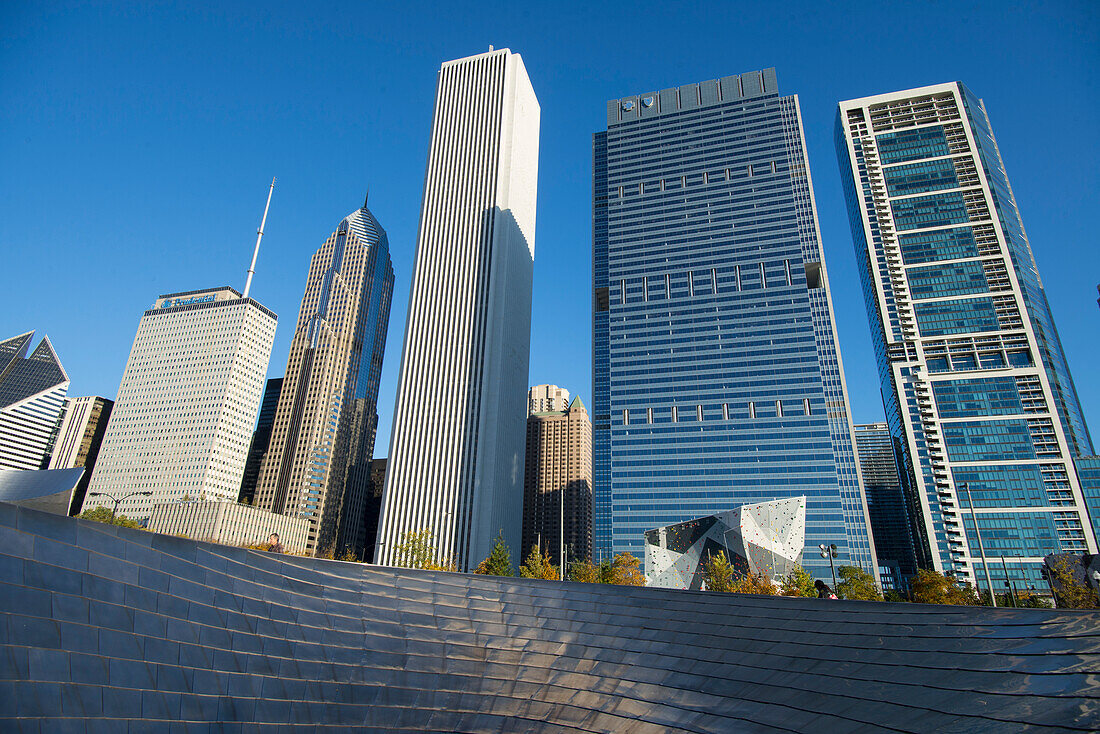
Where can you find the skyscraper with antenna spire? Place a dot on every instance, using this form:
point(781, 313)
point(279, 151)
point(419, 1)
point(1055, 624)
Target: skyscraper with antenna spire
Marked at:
point(317, 463)
point(187, 402)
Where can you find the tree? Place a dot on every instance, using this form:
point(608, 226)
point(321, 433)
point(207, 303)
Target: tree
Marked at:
point(499, 561)
point(930, 587)
point(417, 550)
point(104, 515)
point(754, 583)
point(718, 573)
point(538, 566)
point(1072, 593)
point(624, 571)
point(798, 583)
point(855, 583)
point(584, 571)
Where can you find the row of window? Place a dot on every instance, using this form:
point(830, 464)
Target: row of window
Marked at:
point(705, 178)
point(677, 414)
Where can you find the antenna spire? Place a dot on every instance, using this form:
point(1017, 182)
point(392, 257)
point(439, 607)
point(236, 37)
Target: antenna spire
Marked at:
point(366, 197)
point(259, 236)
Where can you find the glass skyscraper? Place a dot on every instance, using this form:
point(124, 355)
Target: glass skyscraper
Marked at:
point(891, 527)
point(974, 380)
point(716, 372)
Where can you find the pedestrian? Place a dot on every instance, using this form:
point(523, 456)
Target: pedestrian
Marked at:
point(823, 590)
point(273, 544)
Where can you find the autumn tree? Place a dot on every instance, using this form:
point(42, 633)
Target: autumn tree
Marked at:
point(930, 587)
point(417, 550)
point(718, 573)
point(624, 571)
point(754, 583)
point(584, 571)
point(104, 515)
point(538, 566)
point(499, 560)
point(798, 583)
point(855, 583)
point(1072, 593)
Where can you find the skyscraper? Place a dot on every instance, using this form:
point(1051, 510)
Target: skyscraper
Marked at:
point(974, 380)
point(547, 398)
point(456, 468)
point(716, 371)
point(322, 439)
point(261, 437)
point(187, 402)
point(83, 425)
point(557, 484)
point(886, 504)
point(32, 396)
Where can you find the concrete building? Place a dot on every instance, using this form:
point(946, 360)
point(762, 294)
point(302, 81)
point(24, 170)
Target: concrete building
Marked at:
point(79, 437)
point(261, 437)
point(187, 402)
point(317, 464)
point(456, 465)
point(887, 506)
point(717, 379)
point(547, 399)
point(557, 483)
point(229, 523)
point(32, 395)
point(974, 380)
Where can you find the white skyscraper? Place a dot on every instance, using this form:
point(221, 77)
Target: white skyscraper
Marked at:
point(456, 466)
point(189, 396)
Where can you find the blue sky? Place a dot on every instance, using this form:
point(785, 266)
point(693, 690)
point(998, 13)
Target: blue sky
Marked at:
point(137, 142)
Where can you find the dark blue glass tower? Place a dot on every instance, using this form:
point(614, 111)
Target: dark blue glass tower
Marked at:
point(716, 372)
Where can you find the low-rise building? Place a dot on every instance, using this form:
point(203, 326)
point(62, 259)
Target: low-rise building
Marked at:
point(229, 523)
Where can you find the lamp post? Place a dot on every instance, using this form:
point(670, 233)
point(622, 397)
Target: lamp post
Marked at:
point(981, 548)
point(118, 500)
point(829, 551)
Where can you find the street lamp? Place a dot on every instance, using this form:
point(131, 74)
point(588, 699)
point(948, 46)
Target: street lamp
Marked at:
point(981, 548)
point(117, 500)
point(829, 551)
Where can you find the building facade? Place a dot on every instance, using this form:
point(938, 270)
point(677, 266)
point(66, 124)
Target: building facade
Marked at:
point(763, 539)
point(716, 370)
point(974, 380)
point(229, 523)
point(261, 437)
point(183, 418)
point(456, 467)
point(83, 425)
point(317, 464)
point(887, 506)
point(557, 484)
point(32, 397)
point(546, 399)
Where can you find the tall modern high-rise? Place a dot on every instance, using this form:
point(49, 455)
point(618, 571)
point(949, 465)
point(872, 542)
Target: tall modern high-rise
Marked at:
point(187, 402)
point(322, 440)
point(891, 528)
point(974, 379)
point(557, 485)
point(456, 466)
point(716, 370)
point(83, 426)
point(32, 396)
point(261, 437)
